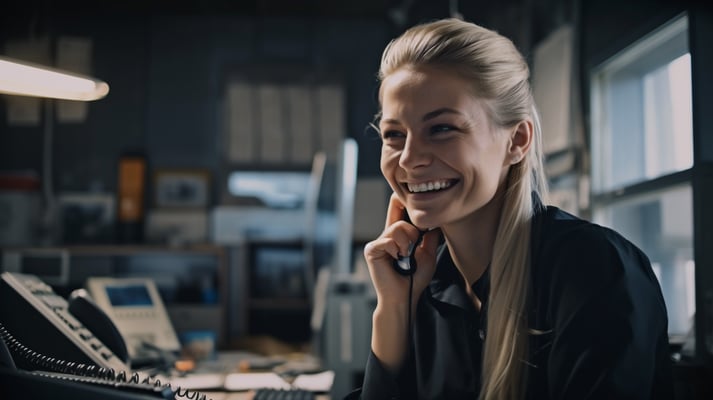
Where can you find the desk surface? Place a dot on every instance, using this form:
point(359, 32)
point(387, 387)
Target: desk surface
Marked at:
point(226, 365)
point(244, 396)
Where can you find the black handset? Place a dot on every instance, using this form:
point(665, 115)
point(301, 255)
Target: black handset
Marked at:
point(406, 265)
point(83, 307)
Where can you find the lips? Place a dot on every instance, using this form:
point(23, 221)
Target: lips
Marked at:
point(430, 186)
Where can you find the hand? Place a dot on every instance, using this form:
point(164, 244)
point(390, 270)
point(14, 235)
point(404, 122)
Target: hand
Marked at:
point(380, 254)
point(390, 330)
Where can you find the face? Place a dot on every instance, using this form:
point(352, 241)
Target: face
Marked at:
point(440, 153)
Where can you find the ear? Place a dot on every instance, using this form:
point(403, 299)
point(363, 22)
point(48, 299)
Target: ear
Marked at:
point(521, 138)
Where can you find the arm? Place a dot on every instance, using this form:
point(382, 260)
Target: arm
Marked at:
point(390, 330)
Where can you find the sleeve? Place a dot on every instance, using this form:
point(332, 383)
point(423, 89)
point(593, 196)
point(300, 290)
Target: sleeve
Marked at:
point(378, 383)
point(609, 320)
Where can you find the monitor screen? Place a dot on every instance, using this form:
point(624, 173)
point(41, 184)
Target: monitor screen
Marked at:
point(129, 295)
point(276, 189)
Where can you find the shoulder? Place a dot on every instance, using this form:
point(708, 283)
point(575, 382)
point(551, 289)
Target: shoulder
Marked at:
point(575, 250)
point(557, 233)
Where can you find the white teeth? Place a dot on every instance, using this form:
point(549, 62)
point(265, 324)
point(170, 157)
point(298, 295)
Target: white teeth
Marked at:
point(428, 186)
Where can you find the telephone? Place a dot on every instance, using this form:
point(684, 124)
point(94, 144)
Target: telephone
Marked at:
point(406, 265)
point(135, 307)
point(47, 349)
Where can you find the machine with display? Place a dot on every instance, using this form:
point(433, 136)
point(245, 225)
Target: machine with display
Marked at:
point(136, 308)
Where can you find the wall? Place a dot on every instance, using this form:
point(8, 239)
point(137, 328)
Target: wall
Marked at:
point(166, 75)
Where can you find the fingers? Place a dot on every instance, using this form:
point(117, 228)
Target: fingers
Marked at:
point(395, 212)
point(381, 247)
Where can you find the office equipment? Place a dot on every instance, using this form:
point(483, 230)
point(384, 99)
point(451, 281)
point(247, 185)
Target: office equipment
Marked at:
point(50, 265)
point(33, 312)
point(46, 351)
point(86, 310)
point(347, 331)
point(283, 394)
point(406, 265)
point(135, 306)
point(189, 279)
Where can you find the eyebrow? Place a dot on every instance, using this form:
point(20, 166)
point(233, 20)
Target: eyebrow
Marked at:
point(429, 115)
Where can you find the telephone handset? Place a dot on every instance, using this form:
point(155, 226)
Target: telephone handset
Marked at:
point(406, 265)
point(45, 351)
point(82, 306)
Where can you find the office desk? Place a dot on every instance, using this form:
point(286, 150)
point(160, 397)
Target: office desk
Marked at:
point(244, 396)
point(224, 377)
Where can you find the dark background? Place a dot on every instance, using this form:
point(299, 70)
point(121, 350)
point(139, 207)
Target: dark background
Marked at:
point(167, 61)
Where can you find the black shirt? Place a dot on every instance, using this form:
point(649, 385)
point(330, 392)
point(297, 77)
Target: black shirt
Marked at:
point(595, 300)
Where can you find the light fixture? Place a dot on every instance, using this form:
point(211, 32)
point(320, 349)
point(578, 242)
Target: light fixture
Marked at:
point(28, 79)
point(22, 78)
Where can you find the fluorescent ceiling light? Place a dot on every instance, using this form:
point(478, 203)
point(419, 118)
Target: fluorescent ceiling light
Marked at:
point(27, 79)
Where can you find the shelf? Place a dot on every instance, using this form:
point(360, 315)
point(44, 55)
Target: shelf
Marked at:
point(118, 249)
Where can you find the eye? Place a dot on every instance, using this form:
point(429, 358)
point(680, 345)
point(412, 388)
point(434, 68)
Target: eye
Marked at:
point(392, 134)
point(441, 128)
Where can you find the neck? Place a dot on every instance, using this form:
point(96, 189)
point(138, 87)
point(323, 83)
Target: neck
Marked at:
point(471, 239)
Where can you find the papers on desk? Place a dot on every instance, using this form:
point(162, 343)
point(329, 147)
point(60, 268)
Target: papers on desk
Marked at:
point(198, 381)
point(321, 382)
point(242, 381)
point(254, 380)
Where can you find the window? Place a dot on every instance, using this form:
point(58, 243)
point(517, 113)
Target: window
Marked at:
point(642, 155)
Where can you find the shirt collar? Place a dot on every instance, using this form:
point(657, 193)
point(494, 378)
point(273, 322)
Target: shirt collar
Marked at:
point(447, 283)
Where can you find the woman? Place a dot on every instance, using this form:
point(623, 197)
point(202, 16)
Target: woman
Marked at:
point(510, 299)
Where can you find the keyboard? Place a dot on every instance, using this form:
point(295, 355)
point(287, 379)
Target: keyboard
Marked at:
point(283, 394)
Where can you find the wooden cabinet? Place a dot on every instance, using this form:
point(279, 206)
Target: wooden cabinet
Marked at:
point(275, 293)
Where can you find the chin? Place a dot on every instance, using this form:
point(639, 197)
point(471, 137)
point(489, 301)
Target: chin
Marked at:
point(423, 223)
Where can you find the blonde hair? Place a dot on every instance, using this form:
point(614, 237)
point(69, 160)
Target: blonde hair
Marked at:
point(500, 76)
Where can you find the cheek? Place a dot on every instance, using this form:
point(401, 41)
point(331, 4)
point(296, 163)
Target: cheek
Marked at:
point(388, 165)
point(389, 159)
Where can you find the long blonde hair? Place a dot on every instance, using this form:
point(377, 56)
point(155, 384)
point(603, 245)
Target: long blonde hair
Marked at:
point(500, 76)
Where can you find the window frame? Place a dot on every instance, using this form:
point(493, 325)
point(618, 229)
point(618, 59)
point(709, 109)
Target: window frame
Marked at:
point(603, 197)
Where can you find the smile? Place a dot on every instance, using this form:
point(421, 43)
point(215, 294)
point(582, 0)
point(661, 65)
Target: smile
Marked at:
point(429, 186)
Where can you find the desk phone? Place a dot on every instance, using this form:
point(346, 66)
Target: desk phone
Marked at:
point(54, 348)
point(33, 312)
point(136, 308)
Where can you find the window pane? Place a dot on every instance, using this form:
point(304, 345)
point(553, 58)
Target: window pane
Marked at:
point(661, 224)
point(641, 112)
point(667, 118)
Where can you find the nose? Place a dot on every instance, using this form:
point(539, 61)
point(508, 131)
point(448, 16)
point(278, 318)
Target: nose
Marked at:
point(415, 153)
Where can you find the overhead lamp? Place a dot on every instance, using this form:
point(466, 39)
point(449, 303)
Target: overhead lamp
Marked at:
point(28, 79)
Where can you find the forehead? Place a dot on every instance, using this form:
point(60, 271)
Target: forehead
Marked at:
point(425, 89)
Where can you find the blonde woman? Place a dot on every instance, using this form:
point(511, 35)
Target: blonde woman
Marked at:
point(484, 291)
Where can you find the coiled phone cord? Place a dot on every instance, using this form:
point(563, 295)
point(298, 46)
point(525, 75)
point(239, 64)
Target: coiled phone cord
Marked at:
point(53, 364)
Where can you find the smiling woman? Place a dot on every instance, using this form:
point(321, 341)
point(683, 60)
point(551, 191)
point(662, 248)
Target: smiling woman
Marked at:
point(507, 300)
point(444, 137)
